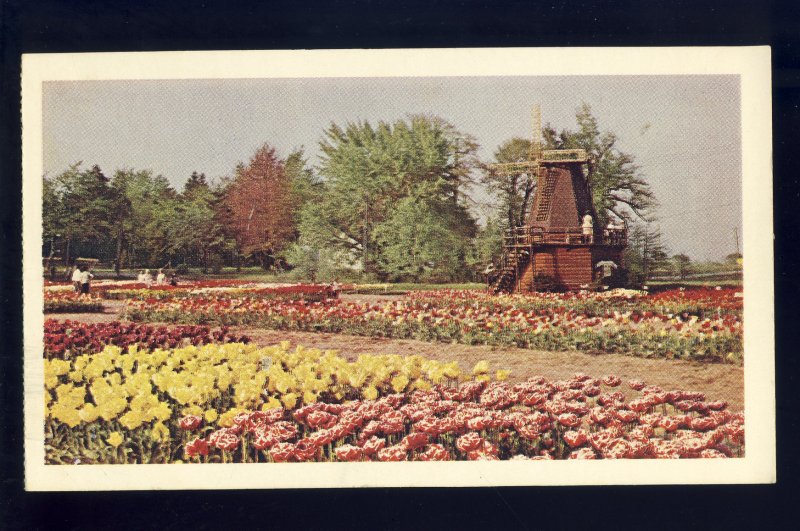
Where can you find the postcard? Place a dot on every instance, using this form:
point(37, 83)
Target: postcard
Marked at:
point(421, 267)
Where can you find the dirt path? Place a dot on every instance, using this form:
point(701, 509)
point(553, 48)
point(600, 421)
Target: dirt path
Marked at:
point(718, 381)
point(111, 312)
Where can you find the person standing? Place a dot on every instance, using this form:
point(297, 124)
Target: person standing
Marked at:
point(588, 228)
point(161, 278)
point(148, 278)
point(76, 279)
point(86, 277)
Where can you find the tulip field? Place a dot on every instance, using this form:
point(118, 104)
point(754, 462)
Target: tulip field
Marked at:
point(241, 403)
point(704, 325)
point(173, 378)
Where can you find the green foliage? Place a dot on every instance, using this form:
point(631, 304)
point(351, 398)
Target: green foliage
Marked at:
point(617, 185)
point(682, 265)
point(392, 202)
point(487, 246)
point(645, 252)
point(515, 192)
point(78, 206)
point(423, 240)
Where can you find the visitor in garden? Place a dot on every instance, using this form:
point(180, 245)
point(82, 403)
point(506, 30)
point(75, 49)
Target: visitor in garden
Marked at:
point(161, 278)
point(588, 228)
point(86, 277)
point(148, 278)
point(76, 279)
point(140, 276)
point(173, 280)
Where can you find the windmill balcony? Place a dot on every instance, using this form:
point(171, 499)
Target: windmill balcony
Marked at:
point(535, 236)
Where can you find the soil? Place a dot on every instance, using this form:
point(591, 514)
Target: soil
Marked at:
point(717, 381)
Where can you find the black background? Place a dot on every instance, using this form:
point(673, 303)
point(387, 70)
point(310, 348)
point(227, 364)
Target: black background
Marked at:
point(60, 26)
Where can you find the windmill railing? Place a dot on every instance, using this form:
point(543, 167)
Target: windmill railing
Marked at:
point(528, 236)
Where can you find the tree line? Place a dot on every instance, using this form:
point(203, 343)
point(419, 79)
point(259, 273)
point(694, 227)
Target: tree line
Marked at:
point(393, 201)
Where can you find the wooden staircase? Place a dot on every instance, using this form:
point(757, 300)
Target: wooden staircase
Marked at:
point(516, 255)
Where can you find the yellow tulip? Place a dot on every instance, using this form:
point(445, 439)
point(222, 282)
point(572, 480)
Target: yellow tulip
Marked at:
point(114, 439)
point(160, 433)
point(309, 397)
point(162, 411)
point(210, 415)
point(370, 393)
point(131, 420)
point(289, 400)
point(194, 409)
point(88, 413)
point(66, 414)
point(502, 374)
point(482, 367)
point(226, 419)
point(271, 403)
point(399, 383)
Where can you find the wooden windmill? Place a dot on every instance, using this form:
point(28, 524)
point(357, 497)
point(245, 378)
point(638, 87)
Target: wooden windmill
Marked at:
point(551, 251)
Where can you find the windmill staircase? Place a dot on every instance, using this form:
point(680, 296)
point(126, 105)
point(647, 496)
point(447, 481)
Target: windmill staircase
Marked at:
point(516, 255)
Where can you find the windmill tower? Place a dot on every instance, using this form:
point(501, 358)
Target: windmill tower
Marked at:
point(550, 251)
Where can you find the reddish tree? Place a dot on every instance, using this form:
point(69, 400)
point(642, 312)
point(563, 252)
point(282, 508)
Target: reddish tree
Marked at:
point(259, 206)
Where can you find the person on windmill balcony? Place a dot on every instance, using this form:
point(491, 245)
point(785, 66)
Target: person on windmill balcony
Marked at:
point(612, 232)
point(588, 228)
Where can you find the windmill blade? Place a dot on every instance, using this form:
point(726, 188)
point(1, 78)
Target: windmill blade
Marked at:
point(514, 168)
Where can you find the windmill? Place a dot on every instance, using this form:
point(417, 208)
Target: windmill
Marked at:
point(553, 245)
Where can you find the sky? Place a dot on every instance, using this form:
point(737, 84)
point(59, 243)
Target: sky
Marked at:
point(684, 132)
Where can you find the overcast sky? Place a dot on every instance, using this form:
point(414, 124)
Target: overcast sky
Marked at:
point(684, 131)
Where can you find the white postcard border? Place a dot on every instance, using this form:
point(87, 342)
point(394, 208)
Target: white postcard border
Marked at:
point(752, 64)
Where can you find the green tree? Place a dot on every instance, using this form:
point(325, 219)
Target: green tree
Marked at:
point(192, 230)
point(305, 186)
point(78, 206)
point(515, 192)
point(645, 252)
point(487, 245)
point(423, 239)
point(682, 264)
point(618, 186)
point(369, 170)
point(144, 204)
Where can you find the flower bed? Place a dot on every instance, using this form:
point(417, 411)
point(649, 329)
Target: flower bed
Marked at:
point(546, 322)
point(70, 302)
point(308, 292)
point(700, 302)
point(69, 339)
point(240, 403)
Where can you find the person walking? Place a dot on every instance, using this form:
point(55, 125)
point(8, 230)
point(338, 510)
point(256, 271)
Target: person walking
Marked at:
point(76, 279)
point(86, 277)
